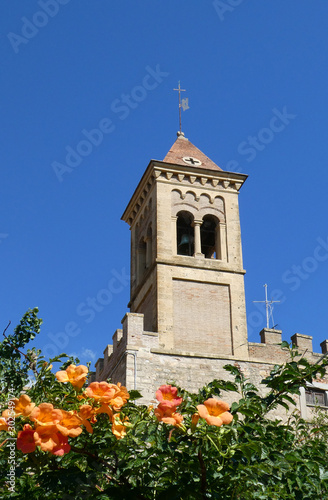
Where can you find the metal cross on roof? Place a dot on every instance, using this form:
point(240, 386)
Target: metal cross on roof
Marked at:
point(268, 307)
point(179, 89)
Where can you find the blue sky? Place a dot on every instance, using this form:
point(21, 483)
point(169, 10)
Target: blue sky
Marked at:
point(256, 79)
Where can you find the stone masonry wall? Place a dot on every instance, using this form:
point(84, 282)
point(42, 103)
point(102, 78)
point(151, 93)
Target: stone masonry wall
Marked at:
point(137, 361)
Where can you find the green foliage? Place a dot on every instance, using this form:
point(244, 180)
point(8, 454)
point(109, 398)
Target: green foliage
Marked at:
point(15, 365)
point(254, 457)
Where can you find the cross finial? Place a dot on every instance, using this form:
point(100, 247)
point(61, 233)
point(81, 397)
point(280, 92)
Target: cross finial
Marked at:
point(268, 307)
point(179, 89)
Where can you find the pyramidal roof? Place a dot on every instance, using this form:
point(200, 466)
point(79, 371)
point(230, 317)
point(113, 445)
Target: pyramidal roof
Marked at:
point(183, 152)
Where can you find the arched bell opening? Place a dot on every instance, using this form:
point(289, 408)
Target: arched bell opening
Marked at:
point(210, 237)
point(185, 234)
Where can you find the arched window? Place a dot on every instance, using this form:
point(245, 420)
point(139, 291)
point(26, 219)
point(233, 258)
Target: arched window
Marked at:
point(185, 234)
point(149, 246)
point(210, 237)
point(141, 259)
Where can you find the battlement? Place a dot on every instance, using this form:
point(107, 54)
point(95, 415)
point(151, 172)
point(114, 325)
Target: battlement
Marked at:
point(269, 349)
point(128, 341)
point(138, 360)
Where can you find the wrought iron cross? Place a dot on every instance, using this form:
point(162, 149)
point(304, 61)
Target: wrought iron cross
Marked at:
point(179, 89)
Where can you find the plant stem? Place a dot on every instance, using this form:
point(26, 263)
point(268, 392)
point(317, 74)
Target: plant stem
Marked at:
point(203, 474)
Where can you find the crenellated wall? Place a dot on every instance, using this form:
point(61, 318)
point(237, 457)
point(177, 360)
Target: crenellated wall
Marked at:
point(137, 360)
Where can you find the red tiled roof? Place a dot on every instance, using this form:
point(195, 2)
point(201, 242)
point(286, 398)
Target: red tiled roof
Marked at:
point(182, 148)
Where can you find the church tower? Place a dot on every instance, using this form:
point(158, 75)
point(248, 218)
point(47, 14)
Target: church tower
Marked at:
point(187, 303)
point(187, 276)
point(187, 300)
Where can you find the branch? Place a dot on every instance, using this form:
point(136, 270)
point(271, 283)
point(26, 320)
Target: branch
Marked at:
point(32, 362)
point(203, 486)
point(92, 455)
point(6, 328)
point(5, 336)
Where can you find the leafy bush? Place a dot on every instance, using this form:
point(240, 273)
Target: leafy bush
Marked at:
point(83, 442)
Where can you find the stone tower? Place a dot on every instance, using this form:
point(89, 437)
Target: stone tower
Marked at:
point(187, 276)
point(188, 318)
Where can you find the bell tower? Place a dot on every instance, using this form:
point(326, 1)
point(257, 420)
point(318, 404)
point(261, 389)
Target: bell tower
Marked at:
point(188, 317)
point(187, 276)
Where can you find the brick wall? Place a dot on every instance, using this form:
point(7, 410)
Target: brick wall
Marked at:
point(205, 308)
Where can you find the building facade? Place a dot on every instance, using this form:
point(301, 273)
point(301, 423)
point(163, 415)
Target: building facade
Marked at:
point(187, 314)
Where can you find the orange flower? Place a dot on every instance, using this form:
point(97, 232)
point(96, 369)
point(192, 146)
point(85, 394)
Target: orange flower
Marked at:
point(62, 447)
point(105, 409)
point(3, 424)
point(49, 439)
point(25, 439)
point(119, 427)
point(215, 412)
point(168, 395)
point(119, 400)
point(76, 375)
point(87, 413)
point(168, 415)
point(194, 421)
point(46, 414)
point(23, 406)
point(70, 424)
point(111, 394)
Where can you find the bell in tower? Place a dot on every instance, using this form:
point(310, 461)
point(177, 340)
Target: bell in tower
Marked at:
point(185, 237)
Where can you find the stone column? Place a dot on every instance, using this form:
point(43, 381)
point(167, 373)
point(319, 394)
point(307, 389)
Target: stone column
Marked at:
point(222, 243)
point(218, 249)
point(174, 236)
point(197, 241)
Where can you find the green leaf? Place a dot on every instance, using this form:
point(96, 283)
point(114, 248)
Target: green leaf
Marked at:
point(135, 395)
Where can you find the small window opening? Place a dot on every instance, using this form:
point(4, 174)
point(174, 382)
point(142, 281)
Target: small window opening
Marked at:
point(315, 397)
point(209, 236)
point(185, 234)
point(149, 247)
point(142, 252)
